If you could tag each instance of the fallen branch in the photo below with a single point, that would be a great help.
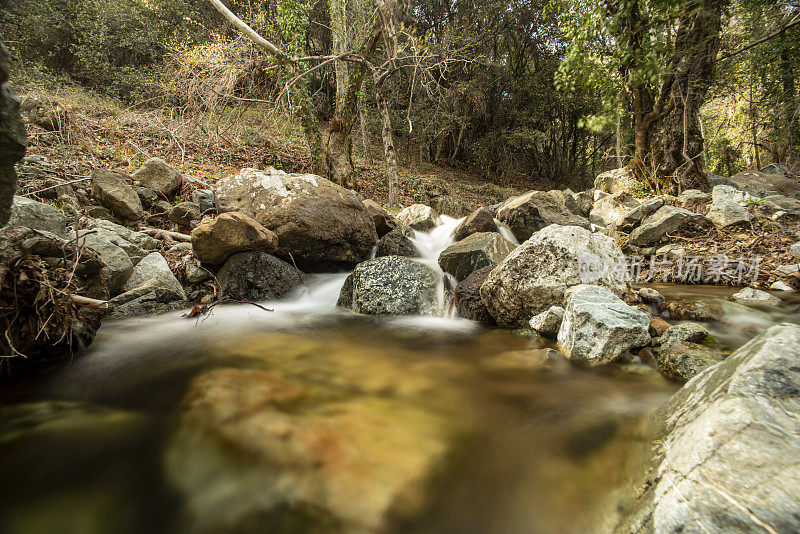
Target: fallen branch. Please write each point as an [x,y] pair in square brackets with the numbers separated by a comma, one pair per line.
[57,185]
[157,232]
[86,301]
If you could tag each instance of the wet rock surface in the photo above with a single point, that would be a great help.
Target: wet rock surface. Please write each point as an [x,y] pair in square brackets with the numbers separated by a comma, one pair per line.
[474,252]
[392,285]
[467,297]
[398,243]
[727,446]
[419,217]
[257,276]
[480,220]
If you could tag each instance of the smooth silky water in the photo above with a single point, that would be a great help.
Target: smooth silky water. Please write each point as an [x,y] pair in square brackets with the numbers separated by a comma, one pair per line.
[398,424]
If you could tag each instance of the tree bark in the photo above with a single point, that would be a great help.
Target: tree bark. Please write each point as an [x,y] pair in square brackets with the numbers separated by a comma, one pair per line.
[389,152]
[678,162]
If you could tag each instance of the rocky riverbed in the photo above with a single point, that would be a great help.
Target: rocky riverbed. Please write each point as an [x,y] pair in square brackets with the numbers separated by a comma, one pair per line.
[292,356]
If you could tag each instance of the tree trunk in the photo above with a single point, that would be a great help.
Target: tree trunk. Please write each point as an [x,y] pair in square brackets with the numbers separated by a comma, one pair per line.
[678,161]
[389,152]
[364,140]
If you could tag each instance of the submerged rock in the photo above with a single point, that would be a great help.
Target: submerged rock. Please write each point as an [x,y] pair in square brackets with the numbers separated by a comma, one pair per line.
[419,217]
[538,272]
[155,174]
[598,327]
[216,240]
[727,447]
[257,276]
[527,214]
[350,449]
[467,297]
[391,285]
[318,223]
[479,250]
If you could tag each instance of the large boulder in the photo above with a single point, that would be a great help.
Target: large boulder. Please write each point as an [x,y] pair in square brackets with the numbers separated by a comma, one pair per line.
[635,216]
[154,267]
[419,217]
[467,297]
[666,220]
[599,328]
[727,206]
[112,190]
[475,252]
[216,240]
[257,276]
[319,224]
[538,272]
[529,213]
[760,181]
[155,174]
[37,215]
[480,220]
[150,298]
[726,448]
[610,210]
[392,285]
[398,243]
[614,181]
[13,140]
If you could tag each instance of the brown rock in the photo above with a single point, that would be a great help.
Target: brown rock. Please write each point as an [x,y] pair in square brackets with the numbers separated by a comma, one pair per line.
[658,326]
[384,223]
[215,240]
[480,220]
[467,297]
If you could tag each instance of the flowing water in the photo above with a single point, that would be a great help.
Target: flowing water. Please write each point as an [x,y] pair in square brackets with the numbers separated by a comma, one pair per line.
[310,419]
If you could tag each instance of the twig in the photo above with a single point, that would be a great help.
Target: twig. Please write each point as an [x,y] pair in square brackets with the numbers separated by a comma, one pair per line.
[157,232]
[86,301]
[57,185]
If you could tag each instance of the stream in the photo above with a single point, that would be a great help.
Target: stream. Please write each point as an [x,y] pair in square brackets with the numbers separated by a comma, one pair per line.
[313,419]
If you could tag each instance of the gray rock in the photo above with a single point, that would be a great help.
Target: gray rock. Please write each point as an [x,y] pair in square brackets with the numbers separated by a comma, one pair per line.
[781,286]
[467,297]
[419,217]
[451,206]
[651,296]
[154,267]
[185,214]
[392,285]
[548,322]
[538,272]
[139,239]
[38,216]
[474,252]
[146,195]
[111,189]
[13,140]
[203,198]
[116,259]
[158,176]
[727,447]
[216,240]
[714,180]
[153,289]
[727,206]
[257,276]
[693,198]
[527,214]
[193,271]
[639,213]
[684,332]
[614,181]
[788,269]
[666,220]
[398,243]
[480,220]
[775,168]
[598,327]
[682,360]
[755,297]
[610,210]
[319,224]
